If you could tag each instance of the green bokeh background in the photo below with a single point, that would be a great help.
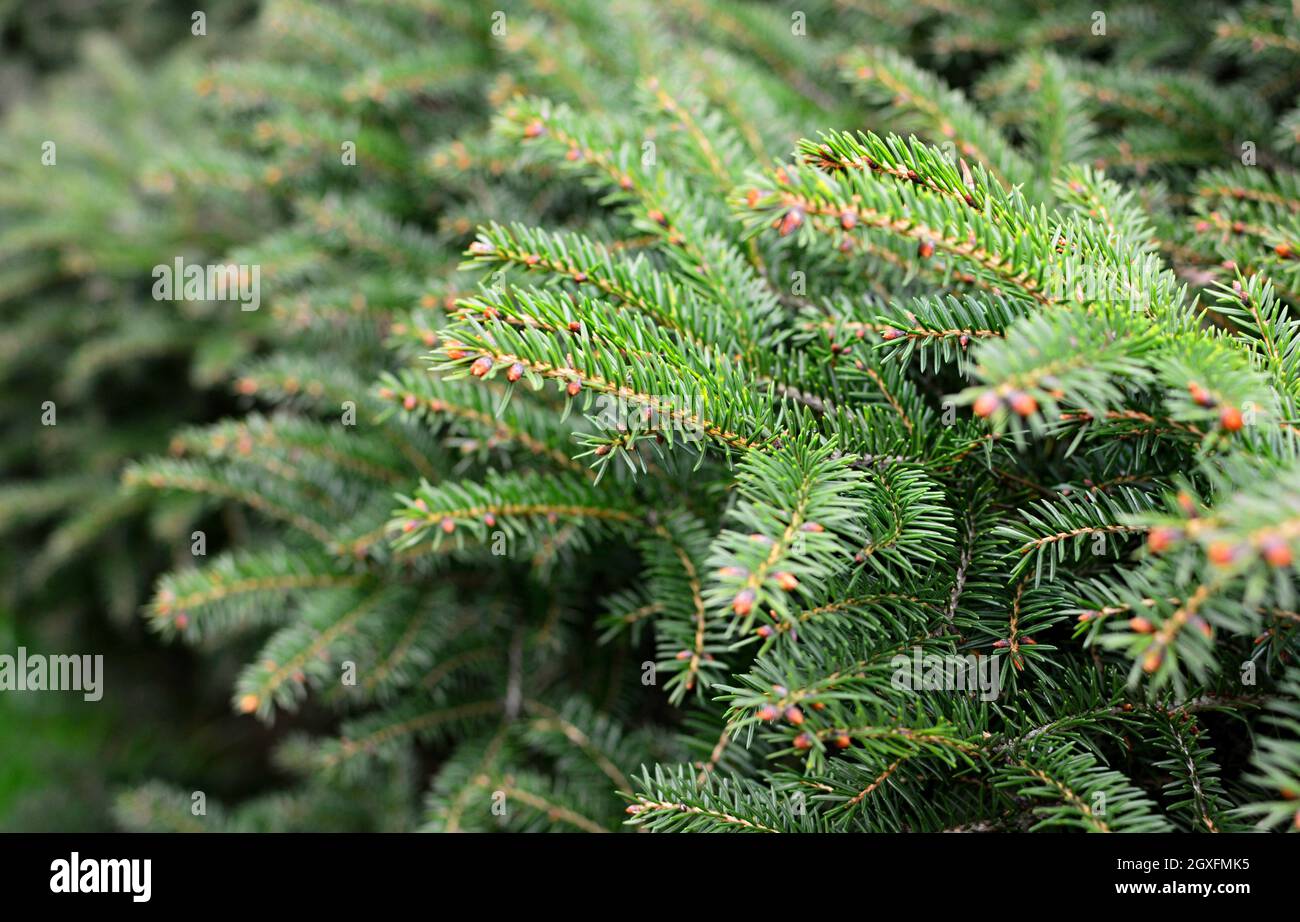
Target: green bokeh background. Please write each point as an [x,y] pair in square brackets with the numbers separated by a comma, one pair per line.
[62,759]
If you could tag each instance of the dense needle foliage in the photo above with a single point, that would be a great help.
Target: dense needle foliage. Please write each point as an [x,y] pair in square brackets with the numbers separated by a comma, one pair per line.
[637,384]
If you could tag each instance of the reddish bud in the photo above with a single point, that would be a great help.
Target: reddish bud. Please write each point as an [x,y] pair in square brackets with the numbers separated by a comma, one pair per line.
[987,404]
[786,581]
[1023,404]
[1230,419]
[482,365]
[1221,553]
[515,372]
[1276,551]
[448,525]
[1141,625]
[1162,538]
[794,715]
[743,603]
[790,221]
[1200,395]
[926,249]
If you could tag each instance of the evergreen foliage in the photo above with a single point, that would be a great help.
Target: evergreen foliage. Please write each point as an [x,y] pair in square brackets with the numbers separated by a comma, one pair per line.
[662,376]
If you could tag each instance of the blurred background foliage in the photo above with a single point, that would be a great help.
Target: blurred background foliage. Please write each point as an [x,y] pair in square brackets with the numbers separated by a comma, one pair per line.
[109,81]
